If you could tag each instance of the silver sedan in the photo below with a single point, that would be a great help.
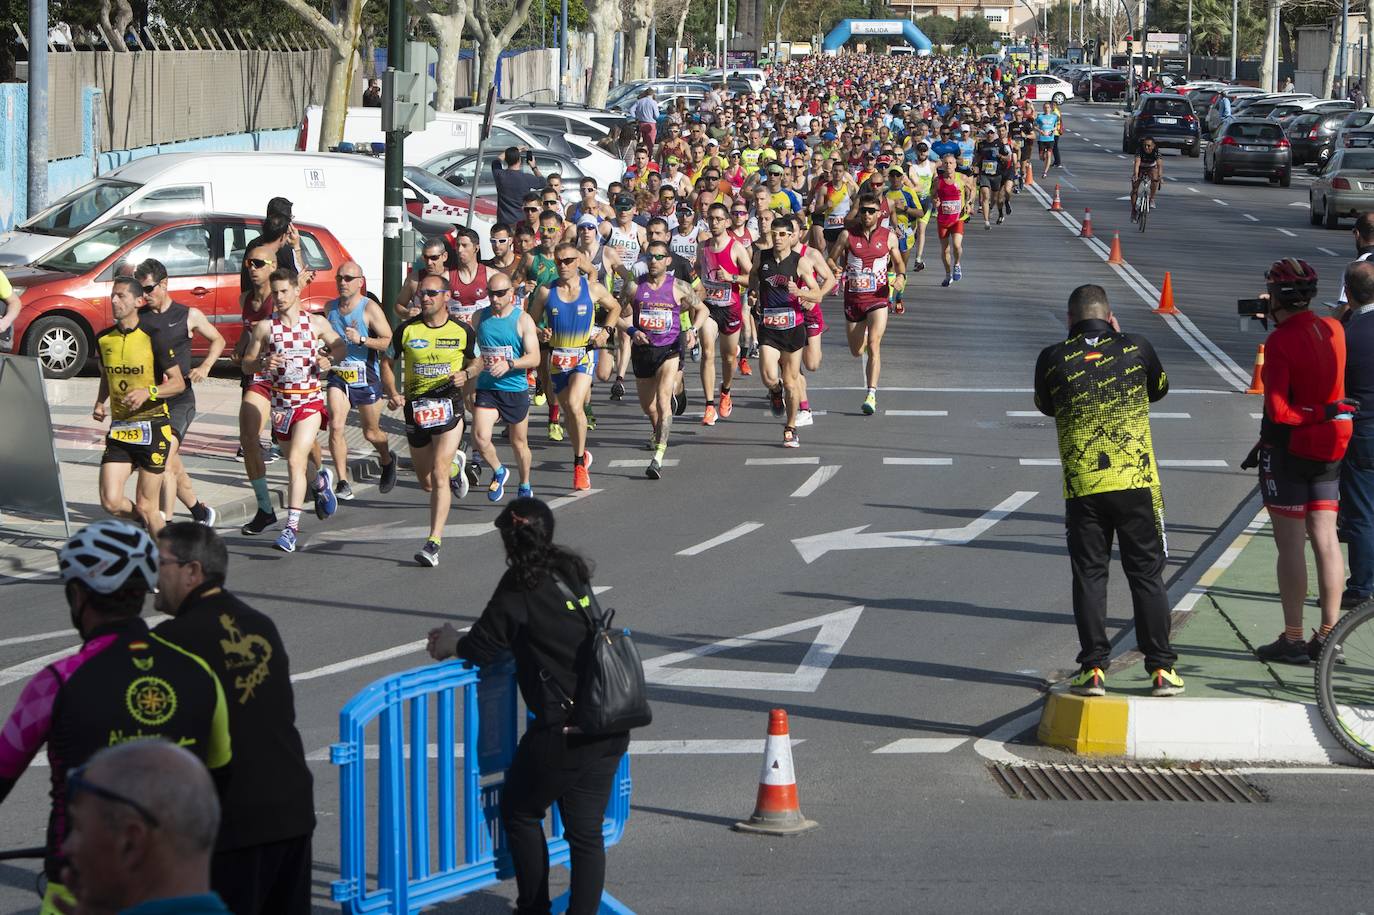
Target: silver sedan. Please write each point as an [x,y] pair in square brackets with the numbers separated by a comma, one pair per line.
[1344,186]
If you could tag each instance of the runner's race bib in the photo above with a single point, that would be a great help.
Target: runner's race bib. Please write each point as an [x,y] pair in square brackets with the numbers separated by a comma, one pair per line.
[833,222]
[297,368]
[353,374]
[780,318]
[861,279]
[491,356]
[464,313]
[565,359]
[951,207]
[281,421]
[990,167]
[717,294]
[431,413]
[656,320]
[132,433]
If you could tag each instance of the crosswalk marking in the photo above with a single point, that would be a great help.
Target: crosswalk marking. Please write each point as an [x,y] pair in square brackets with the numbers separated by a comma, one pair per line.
[922,745]
[917,462]
[780,461]
[915,412]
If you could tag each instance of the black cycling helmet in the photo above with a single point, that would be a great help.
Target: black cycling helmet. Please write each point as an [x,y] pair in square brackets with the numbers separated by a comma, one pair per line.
[1292,282]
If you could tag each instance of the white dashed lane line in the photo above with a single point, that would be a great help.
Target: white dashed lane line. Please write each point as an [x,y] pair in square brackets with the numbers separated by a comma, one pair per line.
[917,462]
[1285,232]
[1328,252]
[1249,217]
[1194,190]
[1220,203]
[732,534]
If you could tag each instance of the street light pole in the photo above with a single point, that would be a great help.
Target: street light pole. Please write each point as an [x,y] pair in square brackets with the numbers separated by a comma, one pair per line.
[1342,64]
[38,105]
[1188,55]
[1235,25]
[777,35]
[563,54]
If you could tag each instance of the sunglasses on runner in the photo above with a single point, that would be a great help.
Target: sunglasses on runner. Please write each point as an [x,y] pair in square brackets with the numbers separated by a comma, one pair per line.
[345,278]
[868,210]
[77,783]
[258,263]
[431,293]
[434,257]
[658,257]
[567,261]
[497,293]
[148,290]
[531,209]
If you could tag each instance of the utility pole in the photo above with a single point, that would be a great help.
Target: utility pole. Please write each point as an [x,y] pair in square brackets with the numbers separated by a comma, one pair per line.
[563,53]
[38,105]
[1235,25]
[394,201]
[1341,62]
[1188,66]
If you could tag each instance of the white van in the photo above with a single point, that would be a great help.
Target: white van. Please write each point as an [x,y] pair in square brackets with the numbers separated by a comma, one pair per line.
[451,131]
[340,192]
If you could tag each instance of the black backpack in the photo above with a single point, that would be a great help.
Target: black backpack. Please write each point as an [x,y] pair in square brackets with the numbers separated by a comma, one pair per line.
[611,695]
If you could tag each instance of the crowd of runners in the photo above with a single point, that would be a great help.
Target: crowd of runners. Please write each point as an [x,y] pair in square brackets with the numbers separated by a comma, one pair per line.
[720,246]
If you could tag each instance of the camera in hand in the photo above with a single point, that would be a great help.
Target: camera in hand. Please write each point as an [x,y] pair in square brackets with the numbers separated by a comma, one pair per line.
[1252,310]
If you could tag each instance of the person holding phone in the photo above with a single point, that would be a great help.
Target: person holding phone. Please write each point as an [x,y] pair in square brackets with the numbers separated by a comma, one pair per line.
[513,182]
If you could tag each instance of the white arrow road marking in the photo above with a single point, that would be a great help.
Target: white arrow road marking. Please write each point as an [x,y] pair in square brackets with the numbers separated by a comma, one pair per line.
[1194,190]
[733,533]
[1122,197]
[834,630]
[815,481]
[375,532]
[812,548]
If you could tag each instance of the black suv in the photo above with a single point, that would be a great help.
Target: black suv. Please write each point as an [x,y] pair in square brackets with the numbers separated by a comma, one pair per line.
[1167,119]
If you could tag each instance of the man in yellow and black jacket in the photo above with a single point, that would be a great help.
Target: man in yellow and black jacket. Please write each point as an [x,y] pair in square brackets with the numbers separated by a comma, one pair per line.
[1098,385]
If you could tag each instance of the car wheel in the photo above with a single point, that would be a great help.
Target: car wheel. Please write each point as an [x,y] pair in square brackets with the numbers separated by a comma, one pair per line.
[1194,151]
[1206,172]
[1216,174]
[1058,98]
[1329,217]
[1100,97]
[1312,215]
[1286,179]
[1323,156]
[59,344]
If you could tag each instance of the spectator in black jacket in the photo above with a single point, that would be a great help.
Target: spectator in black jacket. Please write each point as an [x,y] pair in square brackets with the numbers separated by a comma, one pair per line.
[512,183]
[262,862]
[528,617]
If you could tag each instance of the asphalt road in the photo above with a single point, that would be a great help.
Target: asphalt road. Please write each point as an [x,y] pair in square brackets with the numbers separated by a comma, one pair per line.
[935,646]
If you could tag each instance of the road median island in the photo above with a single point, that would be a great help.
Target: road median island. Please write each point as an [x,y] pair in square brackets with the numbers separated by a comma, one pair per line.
[1236,707]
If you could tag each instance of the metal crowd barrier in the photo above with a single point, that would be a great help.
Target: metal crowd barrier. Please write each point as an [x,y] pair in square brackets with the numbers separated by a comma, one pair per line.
[417,859]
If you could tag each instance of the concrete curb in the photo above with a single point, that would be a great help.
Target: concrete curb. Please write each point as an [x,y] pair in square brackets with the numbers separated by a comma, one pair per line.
[1148,728]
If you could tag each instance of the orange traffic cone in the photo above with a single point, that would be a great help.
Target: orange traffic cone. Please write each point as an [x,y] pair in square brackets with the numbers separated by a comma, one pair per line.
[776,812]
[1030,177]
[1087,230]
[1257,379]
[1166,297]
[1114,257]
[1055,205]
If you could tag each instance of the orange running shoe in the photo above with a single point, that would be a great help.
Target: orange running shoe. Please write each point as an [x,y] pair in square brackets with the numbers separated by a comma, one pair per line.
[709,417]
[581,479]
[727,405]
[744,368]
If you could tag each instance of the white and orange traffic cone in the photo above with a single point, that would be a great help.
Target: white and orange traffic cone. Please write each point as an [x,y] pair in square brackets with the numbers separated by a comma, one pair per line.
[1114,256]
[1166,297]
[1087,230]
[1257,379]
[1055,205]
[776,812]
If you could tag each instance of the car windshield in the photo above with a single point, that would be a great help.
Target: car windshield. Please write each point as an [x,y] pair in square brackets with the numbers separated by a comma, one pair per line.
[80,208]
[427,181]
[1304,121]
[92,247]
[1361,161]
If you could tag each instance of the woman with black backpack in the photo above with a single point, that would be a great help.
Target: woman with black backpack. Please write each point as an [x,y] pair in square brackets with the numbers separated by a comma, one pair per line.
[557,760]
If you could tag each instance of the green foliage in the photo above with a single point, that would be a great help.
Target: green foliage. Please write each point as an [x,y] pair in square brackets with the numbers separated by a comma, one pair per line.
[938,29]
[1212,24]
[261,16]
[974,33]
[542,24]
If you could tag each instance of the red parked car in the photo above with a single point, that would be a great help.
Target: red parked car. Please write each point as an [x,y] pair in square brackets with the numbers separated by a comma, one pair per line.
[66,294]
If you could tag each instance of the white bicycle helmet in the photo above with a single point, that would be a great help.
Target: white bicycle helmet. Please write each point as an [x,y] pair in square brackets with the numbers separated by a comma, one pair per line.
[106,554]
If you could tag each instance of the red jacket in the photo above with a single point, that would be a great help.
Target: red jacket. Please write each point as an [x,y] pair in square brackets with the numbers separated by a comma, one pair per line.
[1304,370]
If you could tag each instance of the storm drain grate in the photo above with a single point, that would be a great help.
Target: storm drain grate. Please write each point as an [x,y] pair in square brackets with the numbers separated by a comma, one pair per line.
[1063,782]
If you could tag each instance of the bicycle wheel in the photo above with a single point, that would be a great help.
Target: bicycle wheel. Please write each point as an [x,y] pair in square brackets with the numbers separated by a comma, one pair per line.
[1142,205]
[1345,691]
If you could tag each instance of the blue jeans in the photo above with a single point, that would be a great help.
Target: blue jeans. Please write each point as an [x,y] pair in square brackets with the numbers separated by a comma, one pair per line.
[1357,509]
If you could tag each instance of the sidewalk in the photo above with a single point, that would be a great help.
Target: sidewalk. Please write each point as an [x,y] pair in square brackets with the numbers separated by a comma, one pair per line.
[28,549]
[1236,708]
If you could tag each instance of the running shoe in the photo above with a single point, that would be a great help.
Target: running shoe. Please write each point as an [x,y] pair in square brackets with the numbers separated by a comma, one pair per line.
[870,404]
[388,481]
[286,541]
[582,478]
[655,469]
[1008,207]
[987,227]
[526,491]
[474,469]
[709,417]
[539,398]
[775,401]
[727,406]
[1352,599]
[271,455]
[1001,219]
[946,281]
[804,418]
[744,368]
[1165,683]
[1284,650]
[920,265]
[1089,682]
[680,403]
[261,522]
[428,555]
[458,482]
[1317,643]
[497,490]
[238,455]
[789,438]
[958,273]
[326,503]
[753,349]
[591,418]
[343,491]
[204,514]
[555,432]
[618,389]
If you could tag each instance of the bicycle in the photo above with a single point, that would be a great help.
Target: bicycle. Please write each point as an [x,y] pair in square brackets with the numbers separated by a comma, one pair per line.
[1140,207]
[1345,682]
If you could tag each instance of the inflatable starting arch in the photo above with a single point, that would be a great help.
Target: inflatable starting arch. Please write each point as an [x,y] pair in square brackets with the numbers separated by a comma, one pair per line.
[849,28]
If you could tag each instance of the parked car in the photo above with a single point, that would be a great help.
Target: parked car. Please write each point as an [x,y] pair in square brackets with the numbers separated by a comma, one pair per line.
[1212,118]
[431,198]
[758,82]
[1249,147]
[1313,135]
[1168,119]
[67,292]
[1263,106]
[581,120]
[1042,87]
[1355,122]
[1344,186]
[632,89]
[329,189]
[458,168]
[1103,86]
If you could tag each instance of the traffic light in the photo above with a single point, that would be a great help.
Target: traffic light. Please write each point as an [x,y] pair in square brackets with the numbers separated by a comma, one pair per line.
[407,94]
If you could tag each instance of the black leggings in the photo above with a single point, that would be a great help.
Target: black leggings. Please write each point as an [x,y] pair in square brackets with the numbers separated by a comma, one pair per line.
[578,773]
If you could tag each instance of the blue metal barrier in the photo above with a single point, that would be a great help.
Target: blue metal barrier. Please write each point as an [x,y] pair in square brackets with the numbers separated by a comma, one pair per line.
[407,876]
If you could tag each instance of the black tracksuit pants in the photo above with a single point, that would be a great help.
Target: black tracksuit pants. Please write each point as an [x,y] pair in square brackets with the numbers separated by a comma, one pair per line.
[1092,522]
[578,772]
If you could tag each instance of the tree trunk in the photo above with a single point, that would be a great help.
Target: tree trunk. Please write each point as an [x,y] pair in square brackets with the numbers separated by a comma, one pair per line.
[448,26]
[1286,43]
[637,38]
[343,40]
[678,50]
[1367,70]
[1269,70]
[604,16]
[1329,74]
[494,41]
